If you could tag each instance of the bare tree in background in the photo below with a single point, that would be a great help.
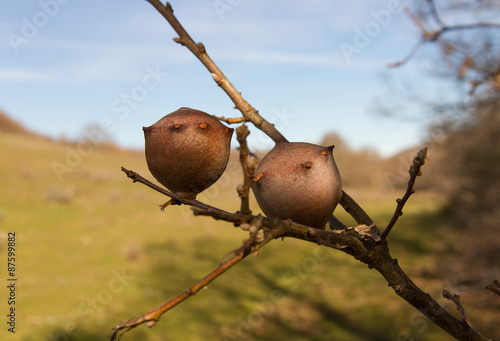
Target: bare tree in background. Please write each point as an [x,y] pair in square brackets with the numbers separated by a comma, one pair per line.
[462,41]
[465,38]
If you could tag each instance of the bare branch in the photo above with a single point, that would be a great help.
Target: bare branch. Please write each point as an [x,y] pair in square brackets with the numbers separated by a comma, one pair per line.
[362,242]
[199,51]
[414,171]
[470,26]
[410,54]
[434,13]
[209,210]
[336,224]
[456,299]
[248,169]
[245,108]
[432,36]
[281,228]
[404,287]
[495,287]
[154,316]
[231,120]
[352,207]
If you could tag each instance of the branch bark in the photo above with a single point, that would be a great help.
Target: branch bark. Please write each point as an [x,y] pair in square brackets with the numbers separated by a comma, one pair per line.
[404,287]
[487,75]
[250,113]
[244,189]
[151,318]
[180,200]
[362,242]
[456,299]
[374,253]
[494,287]
[414,171]
[427,36]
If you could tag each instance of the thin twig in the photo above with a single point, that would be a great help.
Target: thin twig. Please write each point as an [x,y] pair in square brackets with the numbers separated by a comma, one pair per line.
[434,13]
[244,189]
[470,26]
[231,120]
[351,241]
[352,207]
[250,113]
[192,202]
[280,228]
[410,54]
[427,36]
[414,171]
[404,287]
[495,287]
[254,228]
[456,299]
[154,316]
[364,249]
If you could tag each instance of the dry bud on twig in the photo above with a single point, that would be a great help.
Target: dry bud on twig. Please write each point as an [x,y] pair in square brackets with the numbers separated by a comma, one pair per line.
[414,171]
[362,242]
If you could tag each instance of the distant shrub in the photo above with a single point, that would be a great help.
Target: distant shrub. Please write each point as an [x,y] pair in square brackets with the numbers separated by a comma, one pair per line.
[57,195]
[469,159]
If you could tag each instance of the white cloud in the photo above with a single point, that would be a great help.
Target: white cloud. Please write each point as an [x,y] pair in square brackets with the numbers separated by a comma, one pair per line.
[25,75]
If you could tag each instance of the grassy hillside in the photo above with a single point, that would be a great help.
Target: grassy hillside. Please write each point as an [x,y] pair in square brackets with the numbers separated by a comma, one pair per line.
[93,248]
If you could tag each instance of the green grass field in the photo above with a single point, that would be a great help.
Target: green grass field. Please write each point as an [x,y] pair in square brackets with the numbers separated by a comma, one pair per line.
[94,249]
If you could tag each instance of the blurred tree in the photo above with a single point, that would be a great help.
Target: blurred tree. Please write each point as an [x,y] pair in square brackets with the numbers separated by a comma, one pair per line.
[462,38]
[465,38]
[472,158]
[462,41]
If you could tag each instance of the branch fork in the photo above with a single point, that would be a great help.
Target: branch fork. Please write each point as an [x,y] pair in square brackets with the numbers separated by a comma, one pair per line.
[488,77]
[363,242]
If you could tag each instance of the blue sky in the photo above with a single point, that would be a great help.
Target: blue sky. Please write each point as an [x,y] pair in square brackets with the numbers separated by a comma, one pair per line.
[66,64]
